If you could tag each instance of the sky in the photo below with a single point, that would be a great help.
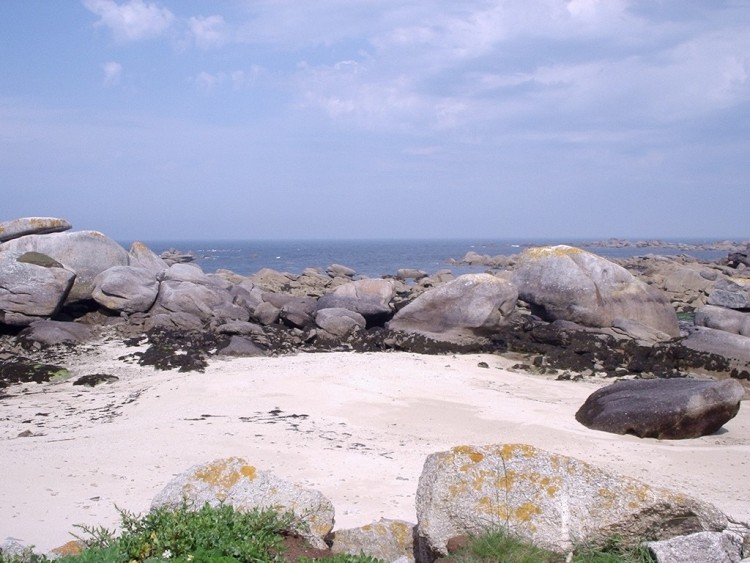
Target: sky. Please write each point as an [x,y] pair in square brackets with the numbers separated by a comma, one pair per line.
[361,119]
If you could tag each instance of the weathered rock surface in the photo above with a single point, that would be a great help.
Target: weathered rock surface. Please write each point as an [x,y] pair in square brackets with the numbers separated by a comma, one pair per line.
[385,539]
[141,256]
[470,305]
[553,500]
[32,286]
[87,253]
[339,322]
[563,282]
[232,481]
[241,346]
[701,547]
[371,298]
[31,226]
[729,294]
[126,289]
[662,408]
[721,318]
[51,333]
[733,348]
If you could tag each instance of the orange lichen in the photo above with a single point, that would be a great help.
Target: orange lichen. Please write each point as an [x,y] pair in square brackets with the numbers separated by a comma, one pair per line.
[559,250]
[222,473]
[526,511]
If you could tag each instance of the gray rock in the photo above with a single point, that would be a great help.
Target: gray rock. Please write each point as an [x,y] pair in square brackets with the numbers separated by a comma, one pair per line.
[470,305]
[339,322]
[51,333]
[87,253]
[271,280]
[141,256]
[203,299]
[701,547]
[734,348]
[32,285]
[552,500]
[662,408]
[410,274]
[234,482]
[727,293]
[337,270]
[176,320]
[385,539]
[266,314]
[242,328]
[371,298]
[240,346]
[563,282]
[721,318]
[31,226]
[296,311]
[126,289]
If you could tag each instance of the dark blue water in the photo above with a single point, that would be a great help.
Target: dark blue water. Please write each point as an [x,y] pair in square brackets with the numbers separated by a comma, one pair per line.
[372,258]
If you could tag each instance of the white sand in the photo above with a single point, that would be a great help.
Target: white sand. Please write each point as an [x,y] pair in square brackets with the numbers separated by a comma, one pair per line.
[370,421]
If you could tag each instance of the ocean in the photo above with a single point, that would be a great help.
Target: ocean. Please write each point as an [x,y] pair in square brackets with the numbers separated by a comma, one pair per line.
[372,258]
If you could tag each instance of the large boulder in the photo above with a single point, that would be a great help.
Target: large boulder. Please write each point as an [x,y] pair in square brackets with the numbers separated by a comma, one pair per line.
[553,500]
[662,408]
[126,289]
[141,256]
[566,283]
[234,482]
[32,286]
[339,322]
[730,294]
[721,318]
[87,253]
[733,349]
[470,305]
[371,298]
[53,333]
[31,226]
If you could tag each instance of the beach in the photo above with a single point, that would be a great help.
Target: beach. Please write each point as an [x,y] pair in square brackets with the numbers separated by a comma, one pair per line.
[355,426]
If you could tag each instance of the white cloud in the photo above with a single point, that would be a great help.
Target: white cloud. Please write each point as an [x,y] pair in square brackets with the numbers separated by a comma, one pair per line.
[132,20]
[112,73]
[208,31]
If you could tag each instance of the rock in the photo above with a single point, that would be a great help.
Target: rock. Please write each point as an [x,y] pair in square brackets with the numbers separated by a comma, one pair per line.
[337,270]
[141,256]
[23,370]
[385,539]
[95,379]
[563,282]
[242,328]
[410,274]
[701,547]
[87,253]
[232,481]
[51,333]
[371,298]
[662,408]
[552,500]
[295,311]
[470,305]
[271,280]
[339,322]
[733,348]
[240,346]
[727,293]
[31,226]
[266,314]
[126,289]
[173,321]
[174,256]
[720,318]
[32,286]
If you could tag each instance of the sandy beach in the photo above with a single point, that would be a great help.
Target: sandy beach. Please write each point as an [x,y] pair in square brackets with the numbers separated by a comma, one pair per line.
[357,427]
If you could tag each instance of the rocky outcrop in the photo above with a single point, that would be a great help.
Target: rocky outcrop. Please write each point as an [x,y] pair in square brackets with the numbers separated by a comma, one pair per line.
[662,408]
[126,289]
[371,298]
[566,283]
[234,482]
[729,294]
[471,305]
[721,318]
[32,286]
[141,256]
[31,226]
[52,333]
[87,253]
[553,500]
[734,349]
[339,322]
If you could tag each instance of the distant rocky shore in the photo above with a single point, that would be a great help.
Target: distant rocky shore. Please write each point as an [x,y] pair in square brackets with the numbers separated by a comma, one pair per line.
[673,327]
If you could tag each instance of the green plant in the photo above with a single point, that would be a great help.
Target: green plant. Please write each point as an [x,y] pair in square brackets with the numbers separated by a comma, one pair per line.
[343,558]
[504,547]
[612,552]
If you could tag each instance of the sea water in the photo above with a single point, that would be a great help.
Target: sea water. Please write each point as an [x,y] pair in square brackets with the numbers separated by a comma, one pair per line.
[372,258]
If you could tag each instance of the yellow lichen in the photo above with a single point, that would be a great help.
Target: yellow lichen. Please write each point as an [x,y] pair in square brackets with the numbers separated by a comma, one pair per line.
[222,473]
[559,250]
[526,511]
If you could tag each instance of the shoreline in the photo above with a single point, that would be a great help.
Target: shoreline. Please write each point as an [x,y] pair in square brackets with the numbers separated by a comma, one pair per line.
[356,426]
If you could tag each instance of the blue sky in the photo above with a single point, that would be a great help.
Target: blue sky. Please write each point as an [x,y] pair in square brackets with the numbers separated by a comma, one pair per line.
[184,119]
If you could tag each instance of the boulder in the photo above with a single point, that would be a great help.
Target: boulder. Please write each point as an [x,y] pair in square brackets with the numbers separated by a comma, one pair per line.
[337,270]
[734,349]
[51,333]
[388,540]
[240,346]
[232,481]
[729,294]
[126,289]
[32,286]
[721,318]
[703,547]
[141,256]
[339,322]
[371,298]
[31,226]
[295,311]
[470,305]
[87,253]
[271,280]
[662,408]
[563,282]
[552,500]
[410,274]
